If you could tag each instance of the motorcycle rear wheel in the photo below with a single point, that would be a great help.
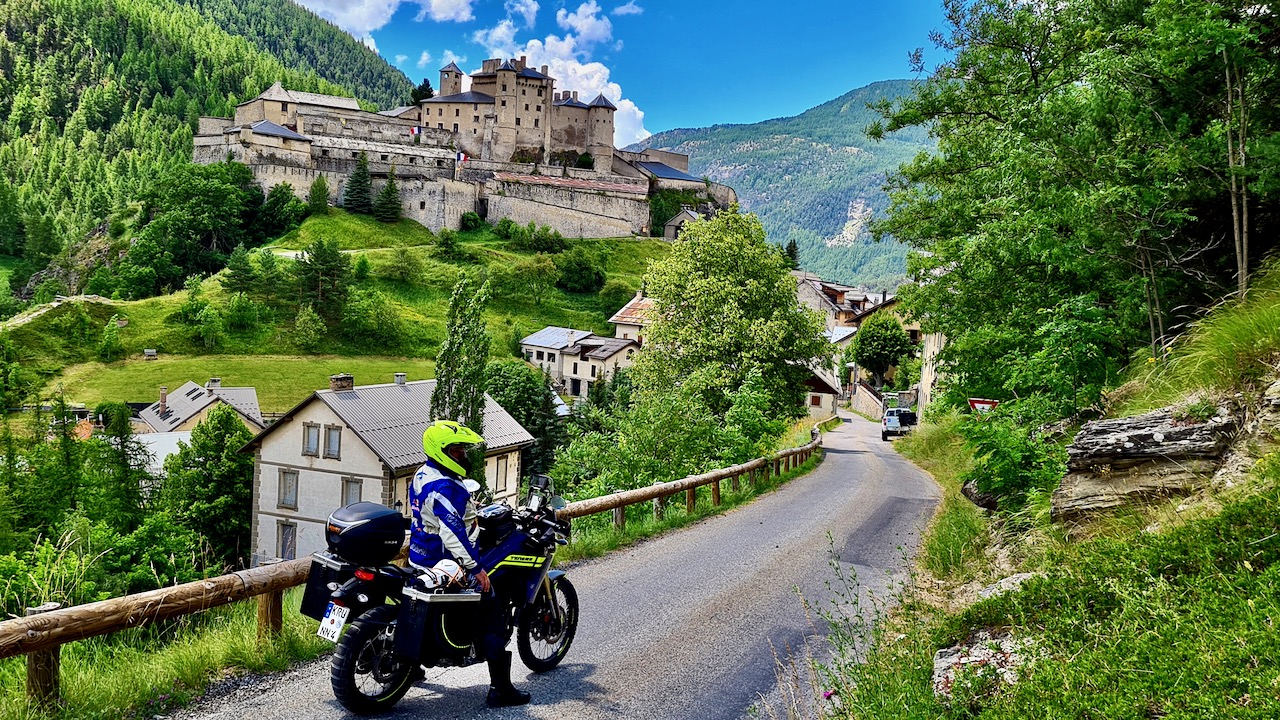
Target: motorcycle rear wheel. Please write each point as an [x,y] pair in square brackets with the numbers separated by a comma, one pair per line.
[367,675]
[542,640]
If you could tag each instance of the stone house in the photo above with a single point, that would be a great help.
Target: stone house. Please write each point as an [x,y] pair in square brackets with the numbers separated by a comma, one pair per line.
[187,406]
[822,394]
[630,322]
[350,443]
[545,348]
[671,230]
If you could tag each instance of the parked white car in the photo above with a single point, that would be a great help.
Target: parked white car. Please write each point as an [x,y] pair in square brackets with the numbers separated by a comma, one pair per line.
[896,421]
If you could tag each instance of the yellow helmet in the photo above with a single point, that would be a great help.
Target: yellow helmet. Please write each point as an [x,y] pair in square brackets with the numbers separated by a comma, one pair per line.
[447,442]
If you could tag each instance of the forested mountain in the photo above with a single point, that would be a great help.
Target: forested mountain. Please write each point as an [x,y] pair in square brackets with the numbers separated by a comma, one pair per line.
[815,178]
[302,40]
[99,100]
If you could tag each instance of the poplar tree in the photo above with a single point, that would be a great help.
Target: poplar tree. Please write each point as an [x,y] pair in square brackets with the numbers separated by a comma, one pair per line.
[463,356]
[358,197]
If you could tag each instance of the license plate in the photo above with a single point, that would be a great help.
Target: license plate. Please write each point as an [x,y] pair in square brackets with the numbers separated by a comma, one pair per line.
[335,617]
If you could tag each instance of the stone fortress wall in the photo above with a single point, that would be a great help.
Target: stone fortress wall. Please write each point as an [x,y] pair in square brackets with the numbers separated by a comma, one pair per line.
[295,137]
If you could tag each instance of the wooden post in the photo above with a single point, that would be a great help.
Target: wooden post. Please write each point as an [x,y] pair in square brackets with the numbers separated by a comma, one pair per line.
[690,500]
[736,483]
[715,493]
[620,518]
[659,507]
[270,611]
[43,666]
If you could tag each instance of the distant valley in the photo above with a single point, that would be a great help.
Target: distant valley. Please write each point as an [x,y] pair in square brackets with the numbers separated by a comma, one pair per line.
[815,177]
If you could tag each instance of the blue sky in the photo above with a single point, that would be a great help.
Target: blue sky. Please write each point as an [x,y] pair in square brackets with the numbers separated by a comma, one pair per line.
[666,64]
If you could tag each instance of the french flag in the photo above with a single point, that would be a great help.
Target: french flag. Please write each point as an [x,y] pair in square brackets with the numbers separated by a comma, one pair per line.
[415,130]
[462,157]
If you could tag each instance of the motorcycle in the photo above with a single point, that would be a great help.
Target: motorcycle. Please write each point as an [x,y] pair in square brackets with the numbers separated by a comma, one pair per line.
[398,621]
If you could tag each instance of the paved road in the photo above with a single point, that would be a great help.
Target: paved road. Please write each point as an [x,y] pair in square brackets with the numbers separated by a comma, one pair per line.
[689,625]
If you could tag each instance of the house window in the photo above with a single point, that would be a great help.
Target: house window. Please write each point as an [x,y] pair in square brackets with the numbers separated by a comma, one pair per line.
[355,154]
[504,89]
[551,357]
[815,400]
[412,160]
[333,441]
[287,542]
[324,153]
[593,371]
[575,368]
[517,122]
[475,119]
[288,497]
[439,126]
[422,205]
[440,112]
[539,92]
[535,122]
[625,336]
[526,107]
[538,108]
[284,107]
[384,157]
[528,354]
[522,92]
[311,439]
[539,354]
[504,103]
[502,482]
[351,488]
[455,127]
[457,112]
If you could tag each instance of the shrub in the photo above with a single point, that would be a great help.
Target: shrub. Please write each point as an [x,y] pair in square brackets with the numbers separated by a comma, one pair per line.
[504,228]
[111,348]
[209,328]
[580,271]
[471,221]
[308,329]
[614,295]
[1010,457]
[371,317]
[585,162]
[448,248]
[242,313]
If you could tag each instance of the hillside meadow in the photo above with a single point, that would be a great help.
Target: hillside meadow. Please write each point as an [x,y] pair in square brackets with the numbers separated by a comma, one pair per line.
[60,346]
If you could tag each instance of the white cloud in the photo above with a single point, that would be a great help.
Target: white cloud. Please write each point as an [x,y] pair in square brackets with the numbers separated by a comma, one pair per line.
[631,8]
[452,57]
[442,10]
[424,59]
[369,42]
[499,39]
[401,58]
[586,22]
[527,9]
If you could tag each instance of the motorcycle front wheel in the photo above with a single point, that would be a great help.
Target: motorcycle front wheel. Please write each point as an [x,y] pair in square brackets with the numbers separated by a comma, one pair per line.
[544,635]
[367,675]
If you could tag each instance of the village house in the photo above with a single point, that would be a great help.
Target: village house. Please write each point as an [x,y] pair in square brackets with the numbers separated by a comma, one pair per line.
[630,322]
[545,348]
[576,359]
[822,394]
[350,443]
[188,406]
[671,230]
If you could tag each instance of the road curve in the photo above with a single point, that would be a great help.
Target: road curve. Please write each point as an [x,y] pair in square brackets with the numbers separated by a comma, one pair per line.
[688,625]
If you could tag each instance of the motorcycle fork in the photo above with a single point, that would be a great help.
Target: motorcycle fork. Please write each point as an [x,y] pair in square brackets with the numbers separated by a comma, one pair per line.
[551,598]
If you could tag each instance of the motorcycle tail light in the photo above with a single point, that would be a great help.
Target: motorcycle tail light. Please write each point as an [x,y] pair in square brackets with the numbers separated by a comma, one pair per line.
[365,575]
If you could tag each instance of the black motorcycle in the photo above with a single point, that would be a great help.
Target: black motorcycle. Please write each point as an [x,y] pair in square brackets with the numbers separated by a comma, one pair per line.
[398,620]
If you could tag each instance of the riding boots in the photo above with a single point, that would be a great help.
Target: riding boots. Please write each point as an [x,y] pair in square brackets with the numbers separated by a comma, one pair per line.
[501,692]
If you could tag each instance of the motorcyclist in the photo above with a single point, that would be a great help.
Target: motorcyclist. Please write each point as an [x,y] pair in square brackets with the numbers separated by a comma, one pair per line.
[443,515]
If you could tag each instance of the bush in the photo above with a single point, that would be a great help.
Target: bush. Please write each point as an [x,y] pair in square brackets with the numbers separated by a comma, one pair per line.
[580,271]
[209,328]
[504,228]
[309,329]
[448,248]
[471,221]
[614,295]
[371,317]
[242,313]
[537,239]
[111,348]
[1011,459]
[585,162]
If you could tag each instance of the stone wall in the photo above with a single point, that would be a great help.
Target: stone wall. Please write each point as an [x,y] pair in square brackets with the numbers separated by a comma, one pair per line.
[588,212]
[867,401]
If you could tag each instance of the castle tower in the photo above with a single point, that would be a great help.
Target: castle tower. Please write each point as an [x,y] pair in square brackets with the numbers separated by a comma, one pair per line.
[504,104]
[450,80]
[600,132]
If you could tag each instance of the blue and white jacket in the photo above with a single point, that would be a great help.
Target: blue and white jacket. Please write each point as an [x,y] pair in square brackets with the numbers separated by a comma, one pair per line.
[443,513]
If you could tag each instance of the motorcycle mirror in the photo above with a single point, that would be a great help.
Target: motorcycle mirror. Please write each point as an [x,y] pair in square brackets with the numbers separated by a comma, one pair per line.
[557,503]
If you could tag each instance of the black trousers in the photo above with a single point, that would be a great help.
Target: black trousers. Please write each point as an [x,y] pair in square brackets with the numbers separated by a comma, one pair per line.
[493,613]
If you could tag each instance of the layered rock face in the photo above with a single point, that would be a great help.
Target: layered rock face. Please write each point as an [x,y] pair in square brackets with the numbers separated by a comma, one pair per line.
[1115,462]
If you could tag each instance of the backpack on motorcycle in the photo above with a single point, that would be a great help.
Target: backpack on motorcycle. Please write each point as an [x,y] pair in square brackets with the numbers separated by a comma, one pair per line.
[496,524]
[365,533]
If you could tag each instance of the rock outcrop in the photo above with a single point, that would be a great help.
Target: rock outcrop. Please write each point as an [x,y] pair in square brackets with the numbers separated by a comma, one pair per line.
[978,668]
[1116,462]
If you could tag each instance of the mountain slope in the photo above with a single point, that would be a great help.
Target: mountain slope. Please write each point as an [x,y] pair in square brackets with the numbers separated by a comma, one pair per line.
[301,40]
[815,178]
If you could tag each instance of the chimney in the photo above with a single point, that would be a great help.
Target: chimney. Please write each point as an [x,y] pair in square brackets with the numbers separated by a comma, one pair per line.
[400,378]
[164,398]
[213,384]
[523,59]
[341,382]
[543,70]
[575,94]
[884,296]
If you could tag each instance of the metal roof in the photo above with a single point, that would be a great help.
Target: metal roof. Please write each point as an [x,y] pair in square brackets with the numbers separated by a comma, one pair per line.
[531,73]
[600,348]
[277,92]
[390,418]
[603,102]
[396,112]
[557,338]
[636,312]
[188,400]
[506,65]
[666,172]
[467,97]
[839,334]
[571,102]
[266,127]
[161,445]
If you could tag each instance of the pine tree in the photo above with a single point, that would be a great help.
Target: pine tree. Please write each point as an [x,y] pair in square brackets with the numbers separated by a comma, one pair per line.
[318,197]
[321,273]
[460,364]
[793,254]
[422,92]
[270,275]
[386,208]
[358,197]
[240,277]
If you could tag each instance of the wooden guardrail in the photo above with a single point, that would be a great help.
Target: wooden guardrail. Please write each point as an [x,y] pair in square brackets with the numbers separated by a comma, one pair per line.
[44,630]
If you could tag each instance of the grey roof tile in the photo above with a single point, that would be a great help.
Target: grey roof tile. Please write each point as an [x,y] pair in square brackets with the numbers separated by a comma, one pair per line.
[556,337]
[188,400]
[603,102]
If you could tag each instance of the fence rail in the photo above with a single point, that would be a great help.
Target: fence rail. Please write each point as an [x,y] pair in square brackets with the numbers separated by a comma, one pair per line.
[42,632]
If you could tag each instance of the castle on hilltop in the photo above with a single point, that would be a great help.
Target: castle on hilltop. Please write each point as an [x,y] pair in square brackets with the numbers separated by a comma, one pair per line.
[510,146]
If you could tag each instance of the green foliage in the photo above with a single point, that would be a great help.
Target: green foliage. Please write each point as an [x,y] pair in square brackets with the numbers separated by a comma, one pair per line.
[463,356]
[448,248]
[309,329]
[406,265]
[281,212]
[792,251]
[360,271]
[209,328]
[111,348]
[321,276]
[666,204]
[535,239]
[526,394]
[505,227]
[48,291]
[240,276]
[318,197]
[358,195]
[879,344]
[243,314]
[270,275]
[1011,457]
[580,271]
[585,162]
[423,91]
[471,221]
[726,306]
[386,207]
[371,317]
[189,312]
[530,277]
[209,485]
[615,294]
[750,430]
